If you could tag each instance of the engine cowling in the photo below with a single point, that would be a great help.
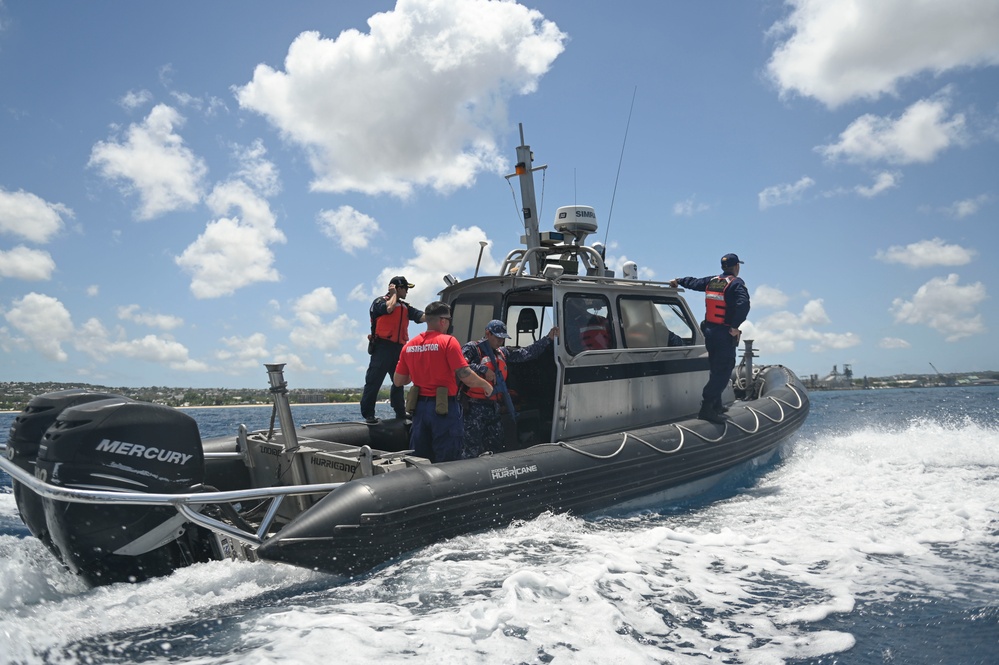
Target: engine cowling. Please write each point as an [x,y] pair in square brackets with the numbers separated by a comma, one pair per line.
[122,445]
[23,439]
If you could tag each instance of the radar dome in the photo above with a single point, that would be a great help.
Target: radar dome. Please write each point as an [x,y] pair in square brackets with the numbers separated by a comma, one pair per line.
[577,221]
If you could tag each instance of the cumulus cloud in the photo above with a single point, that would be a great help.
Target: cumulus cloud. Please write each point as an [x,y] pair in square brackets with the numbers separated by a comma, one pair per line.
[784,194]
[926,254]
[313,330]
[921,133]
[893,343]
[967,207]
[453,251]
[152,161]
[45,323]
[882,183]
[839,50]
[30,217]
[689,207]
[779,332]
[161,321]
[768,296]
[133,99]
[454,64]
[249,352]
[27,264]
[96,341]
[946,306]
[352,230]
[233,252]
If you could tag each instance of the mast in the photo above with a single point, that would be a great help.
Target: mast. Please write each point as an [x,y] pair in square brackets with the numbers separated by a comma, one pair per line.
[525,171]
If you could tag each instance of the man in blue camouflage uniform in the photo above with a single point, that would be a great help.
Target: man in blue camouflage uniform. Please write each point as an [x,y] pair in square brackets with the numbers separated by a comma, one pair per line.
[488,358]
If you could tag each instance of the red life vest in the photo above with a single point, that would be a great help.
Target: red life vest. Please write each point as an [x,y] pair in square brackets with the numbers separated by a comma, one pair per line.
[714,298]
[595,334]
[394,326]
[478,393]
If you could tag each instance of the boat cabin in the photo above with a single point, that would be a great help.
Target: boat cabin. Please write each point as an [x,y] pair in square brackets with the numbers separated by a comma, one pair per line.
[630,352]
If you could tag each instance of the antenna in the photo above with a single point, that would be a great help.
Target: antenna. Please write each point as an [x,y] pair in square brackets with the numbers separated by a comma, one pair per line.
[618,176]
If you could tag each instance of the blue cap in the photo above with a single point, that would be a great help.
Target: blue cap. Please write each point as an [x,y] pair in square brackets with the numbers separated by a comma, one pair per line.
[729,260]
[497,328]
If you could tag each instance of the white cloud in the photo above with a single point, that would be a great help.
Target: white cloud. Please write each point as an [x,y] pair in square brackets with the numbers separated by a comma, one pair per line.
[454,251]
[96,341]
[768,296]
[784,194]
[153,162]
[778,332]
[30,217]
[26,264]
[893,343]
[922,132]
[967,207]
[241,353]
[161,321]
[454,64]
[44,321]
[311,330]
[133,99]
[233,252]
[93,290]
[945,306]
[351,229]
[689,207]
[882,183]
[255,170]
[839,50]
[926,254]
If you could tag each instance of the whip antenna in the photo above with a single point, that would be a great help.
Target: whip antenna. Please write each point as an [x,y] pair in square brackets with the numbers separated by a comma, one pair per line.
[619,162]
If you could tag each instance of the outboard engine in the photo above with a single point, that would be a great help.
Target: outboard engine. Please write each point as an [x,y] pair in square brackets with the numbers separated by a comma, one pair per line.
[22,448]
[122,445]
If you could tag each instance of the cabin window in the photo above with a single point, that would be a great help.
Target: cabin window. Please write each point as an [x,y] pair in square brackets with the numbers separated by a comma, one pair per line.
[654,322]
[469,319]
[587,323]
[528,323]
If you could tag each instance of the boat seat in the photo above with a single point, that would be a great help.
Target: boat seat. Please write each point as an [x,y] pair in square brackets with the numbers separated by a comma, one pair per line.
[527,323]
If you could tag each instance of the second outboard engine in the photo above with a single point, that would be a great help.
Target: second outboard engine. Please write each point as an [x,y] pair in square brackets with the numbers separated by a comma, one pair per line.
[22,448]
[122,445]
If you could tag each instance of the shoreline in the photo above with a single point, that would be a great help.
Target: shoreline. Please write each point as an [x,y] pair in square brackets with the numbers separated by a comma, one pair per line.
[248,406]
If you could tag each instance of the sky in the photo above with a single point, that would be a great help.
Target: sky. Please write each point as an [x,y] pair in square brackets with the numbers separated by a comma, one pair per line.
[189,190]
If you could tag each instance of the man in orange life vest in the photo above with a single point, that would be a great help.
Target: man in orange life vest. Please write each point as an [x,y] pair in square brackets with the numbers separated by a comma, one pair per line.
[483,425]
[390,317]
[727,302]
[433,361]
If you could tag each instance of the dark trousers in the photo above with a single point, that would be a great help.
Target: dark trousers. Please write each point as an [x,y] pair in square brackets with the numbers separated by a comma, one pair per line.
[483,427]
[383,362]
[721,360]
[435,437]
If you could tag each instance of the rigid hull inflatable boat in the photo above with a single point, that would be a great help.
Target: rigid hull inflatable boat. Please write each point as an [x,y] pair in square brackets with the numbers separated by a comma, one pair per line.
[121,490]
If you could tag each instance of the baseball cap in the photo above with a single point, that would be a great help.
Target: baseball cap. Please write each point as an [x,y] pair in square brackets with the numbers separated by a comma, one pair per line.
[730,260]
[497,328]
[399,280]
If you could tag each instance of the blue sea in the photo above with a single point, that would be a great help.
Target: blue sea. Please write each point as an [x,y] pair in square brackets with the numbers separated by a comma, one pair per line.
[872,538]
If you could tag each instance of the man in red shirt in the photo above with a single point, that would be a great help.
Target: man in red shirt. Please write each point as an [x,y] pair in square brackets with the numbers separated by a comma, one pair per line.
[434,362]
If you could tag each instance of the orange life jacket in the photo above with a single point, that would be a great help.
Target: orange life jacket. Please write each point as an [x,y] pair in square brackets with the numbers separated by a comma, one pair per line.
[394,326]
[714,298]
[478,393]
[595,334]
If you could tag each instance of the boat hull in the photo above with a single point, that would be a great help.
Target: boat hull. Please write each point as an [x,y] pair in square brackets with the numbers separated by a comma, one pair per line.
[369,521]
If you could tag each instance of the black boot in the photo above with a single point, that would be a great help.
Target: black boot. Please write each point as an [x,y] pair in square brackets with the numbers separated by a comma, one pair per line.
[720,408]
[708,413]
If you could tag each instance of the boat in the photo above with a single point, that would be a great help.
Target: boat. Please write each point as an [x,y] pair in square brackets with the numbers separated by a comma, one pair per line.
[120,490]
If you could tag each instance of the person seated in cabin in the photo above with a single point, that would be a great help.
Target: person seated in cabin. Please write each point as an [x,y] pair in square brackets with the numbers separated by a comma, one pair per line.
[591,330]
[489,358]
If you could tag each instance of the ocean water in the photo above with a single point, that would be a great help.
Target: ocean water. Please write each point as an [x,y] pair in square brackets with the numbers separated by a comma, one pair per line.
[872,538]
